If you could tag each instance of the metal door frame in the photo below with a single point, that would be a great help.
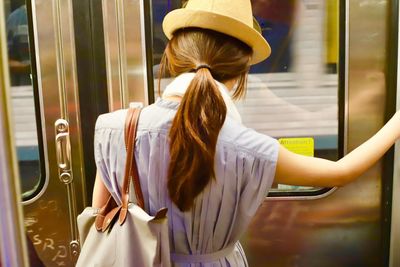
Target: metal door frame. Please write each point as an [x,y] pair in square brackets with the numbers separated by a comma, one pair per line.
[12,235]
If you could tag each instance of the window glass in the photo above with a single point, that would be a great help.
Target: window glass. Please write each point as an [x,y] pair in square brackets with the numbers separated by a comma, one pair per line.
[23,97]
[293,95]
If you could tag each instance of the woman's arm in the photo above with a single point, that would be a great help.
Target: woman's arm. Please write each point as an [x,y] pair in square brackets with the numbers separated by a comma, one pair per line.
[100,193]
[301,170]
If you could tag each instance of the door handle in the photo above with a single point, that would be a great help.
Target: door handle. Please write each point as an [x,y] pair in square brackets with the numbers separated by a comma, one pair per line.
[63,145]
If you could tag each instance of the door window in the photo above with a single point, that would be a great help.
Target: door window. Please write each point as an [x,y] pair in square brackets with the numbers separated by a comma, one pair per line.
[24,98]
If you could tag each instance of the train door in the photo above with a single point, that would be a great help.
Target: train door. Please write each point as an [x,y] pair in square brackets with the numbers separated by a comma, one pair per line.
[45,111]
[57,54]
[326,88]
[347,90]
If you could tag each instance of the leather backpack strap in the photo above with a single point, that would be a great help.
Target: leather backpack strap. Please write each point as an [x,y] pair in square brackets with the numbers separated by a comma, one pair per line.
[131,170]
[134,174]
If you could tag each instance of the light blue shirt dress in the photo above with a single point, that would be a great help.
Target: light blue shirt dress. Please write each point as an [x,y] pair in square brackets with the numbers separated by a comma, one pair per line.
[245,164]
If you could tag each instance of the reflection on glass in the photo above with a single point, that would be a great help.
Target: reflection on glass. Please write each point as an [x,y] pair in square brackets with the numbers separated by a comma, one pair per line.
[22,95]
[300,76]
[294,93]
[276,19]
[18,47]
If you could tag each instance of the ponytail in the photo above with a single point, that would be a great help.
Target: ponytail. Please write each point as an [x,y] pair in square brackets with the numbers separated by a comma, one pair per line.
[193,139]
[202,111]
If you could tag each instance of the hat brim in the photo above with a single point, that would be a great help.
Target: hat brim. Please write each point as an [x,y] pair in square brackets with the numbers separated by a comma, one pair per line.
[186,18]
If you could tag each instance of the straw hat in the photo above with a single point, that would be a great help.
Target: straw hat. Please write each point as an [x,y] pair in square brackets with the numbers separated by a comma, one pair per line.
[231,17]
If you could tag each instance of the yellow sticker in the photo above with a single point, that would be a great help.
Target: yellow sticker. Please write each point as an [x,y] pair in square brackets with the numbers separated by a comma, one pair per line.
[302,145]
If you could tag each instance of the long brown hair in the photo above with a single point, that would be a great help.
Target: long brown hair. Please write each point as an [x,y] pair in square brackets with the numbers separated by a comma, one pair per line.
[202,111]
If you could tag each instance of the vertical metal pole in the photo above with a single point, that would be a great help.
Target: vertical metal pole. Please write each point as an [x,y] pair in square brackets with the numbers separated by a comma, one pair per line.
[12,236]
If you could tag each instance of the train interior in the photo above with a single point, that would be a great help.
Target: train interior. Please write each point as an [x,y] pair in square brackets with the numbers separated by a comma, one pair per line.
[331,82]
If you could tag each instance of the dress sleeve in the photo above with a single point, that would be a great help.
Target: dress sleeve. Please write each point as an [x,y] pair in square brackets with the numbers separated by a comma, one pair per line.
[256,166]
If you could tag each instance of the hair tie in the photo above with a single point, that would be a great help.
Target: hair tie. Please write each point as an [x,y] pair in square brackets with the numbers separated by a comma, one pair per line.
[202,66]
